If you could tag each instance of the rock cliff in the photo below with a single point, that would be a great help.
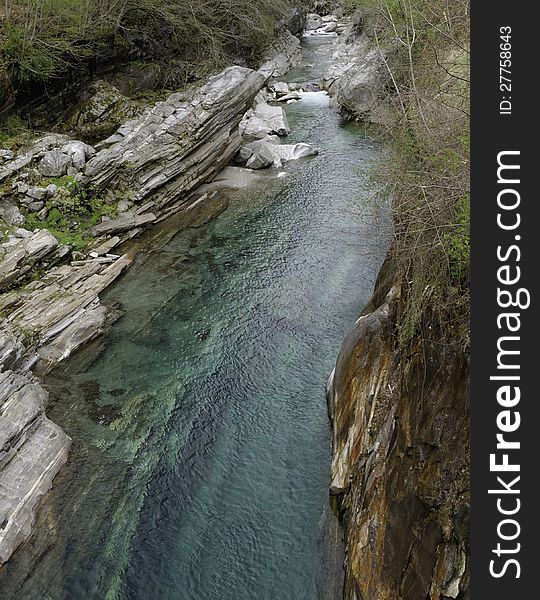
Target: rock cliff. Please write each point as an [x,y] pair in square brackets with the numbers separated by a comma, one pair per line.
[400,472]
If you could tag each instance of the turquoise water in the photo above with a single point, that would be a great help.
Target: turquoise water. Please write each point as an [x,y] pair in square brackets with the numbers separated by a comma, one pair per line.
[201,446]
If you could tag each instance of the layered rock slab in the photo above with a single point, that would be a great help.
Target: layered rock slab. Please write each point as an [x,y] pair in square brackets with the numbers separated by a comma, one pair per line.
[32,451]
[178,144]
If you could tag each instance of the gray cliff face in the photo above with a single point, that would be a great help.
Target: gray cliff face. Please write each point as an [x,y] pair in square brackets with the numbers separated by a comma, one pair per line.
[400,472]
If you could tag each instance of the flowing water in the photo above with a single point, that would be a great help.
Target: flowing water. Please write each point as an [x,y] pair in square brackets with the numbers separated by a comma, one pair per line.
[201,445]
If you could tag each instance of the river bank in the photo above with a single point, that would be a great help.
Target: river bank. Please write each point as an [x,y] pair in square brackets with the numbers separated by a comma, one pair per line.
[123,433]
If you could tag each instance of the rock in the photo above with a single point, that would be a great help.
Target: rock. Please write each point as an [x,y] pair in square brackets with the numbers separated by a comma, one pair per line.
[54,164]
[43,214]
[124,222]
[37,193]
[38,149]
[329,19]
[288,97]
[281,57]
[400,469]
[6,155]
[10,214]
[262,158]
[20,186]
[279,88]
[103,111]
[106,246]
[313,22]
[295,21]
[161,157]
[18,261]
[32,451]
[331,27]
[51,190]
[268,151]
[35,206]
[359,78]
[243,155]
[78,152]
[22,233]
[264,120]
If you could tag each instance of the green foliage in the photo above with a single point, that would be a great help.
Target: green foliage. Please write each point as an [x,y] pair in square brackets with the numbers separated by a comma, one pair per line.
[458,241]
[40,39]
[427,175]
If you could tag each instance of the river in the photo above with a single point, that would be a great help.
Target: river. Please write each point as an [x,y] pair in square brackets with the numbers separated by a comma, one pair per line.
[201,446]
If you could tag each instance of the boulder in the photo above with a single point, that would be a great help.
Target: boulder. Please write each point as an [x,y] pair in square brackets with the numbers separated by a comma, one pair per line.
[261,158]
[161,157]
[268,151]
[37,150]
[281,57]
[264,120]
[279,88]
[19,260]
[331,27]
[313,22]
[78,152]
[10,214]
[124,222]
[54,164]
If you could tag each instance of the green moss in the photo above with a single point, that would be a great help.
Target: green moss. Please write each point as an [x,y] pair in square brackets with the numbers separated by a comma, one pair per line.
[72,213]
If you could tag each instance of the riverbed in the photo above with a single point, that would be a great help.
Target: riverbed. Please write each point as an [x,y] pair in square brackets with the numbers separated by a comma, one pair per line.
[201,446]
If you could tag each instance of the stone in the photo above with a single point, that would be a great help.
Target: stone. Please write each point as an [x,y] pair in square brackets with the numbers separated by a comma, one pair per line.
[280,88]
[266,152]
[10,214]
[281,57]
[124,222]
[293,96]
[6,155]
[35,206]
[313,22]
[19,260]
[106,246]
[78,152]
[37,150]
[54,164]
[359,78]
[264,120]
[261,158]
[37,193]
[331,27]
[159,158]
[32,451]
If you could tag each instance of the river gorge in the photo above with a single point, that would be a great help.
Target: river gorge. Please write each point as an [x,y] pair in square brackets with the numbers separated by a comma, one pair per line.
[201,454]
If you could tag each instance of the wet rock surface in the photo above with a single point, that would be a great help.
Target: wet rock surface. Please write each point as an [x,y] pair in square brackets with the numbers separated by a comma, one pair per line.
[401,461]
